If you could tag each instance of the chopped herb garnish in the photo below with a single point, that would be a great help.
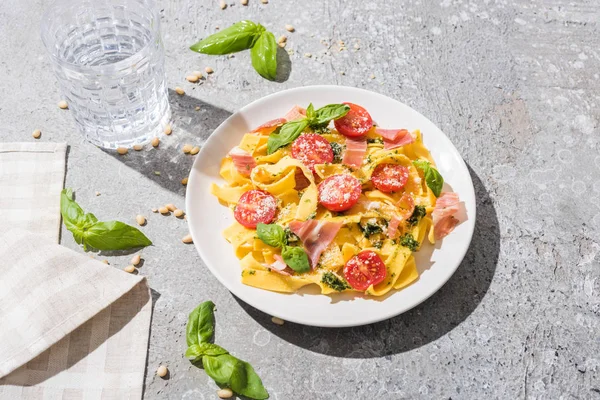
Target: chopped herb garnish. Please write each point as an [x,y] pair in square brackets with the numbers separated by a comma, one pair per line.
[370,229]
[312,215]
[337,152]
[252,272]
[333,281]
[407,240]
[376,140]
[290,236]
[416,216]
[378,244]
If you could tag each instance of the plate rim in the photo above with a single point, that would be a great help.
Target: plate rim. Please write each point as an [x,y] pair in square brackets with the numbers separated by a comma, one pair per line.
[365,321]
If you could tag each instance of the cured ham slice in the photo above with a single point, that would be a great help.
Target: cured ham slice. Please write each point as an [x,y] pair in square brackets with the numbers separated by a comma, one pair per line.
[302,181]
[242,160]
[316,236]
[270,126]
[390,134]
[407,207]
[355,152]
[280,267]
[404,137]
[295,113]
[443,214]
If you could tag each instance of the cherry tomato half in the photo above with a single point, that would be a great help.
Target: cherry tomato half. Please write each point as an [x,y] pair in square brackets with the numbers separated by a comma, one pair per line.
[254,207]
[364,269]
[389,177]
[312,149]
[356,123]
[339,192]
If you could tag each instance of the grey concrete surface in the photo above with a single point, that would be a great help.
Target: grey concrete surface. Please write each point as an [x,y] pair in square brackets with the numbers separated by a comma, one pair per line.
[516,87]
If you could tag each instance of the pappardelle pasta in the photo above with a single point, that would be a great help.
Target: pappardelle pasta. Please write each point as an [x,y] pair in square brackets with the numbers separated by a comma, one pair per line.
[326,197]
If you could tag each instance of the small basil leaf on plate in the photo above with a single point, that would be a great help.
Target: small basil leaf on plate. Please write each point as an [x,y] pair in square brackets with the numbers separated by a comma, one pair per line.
[288,132]
[331,111]
[114,235]
[264,55]
[271,234]
[433,178]
[295,258]
[240,36]
[201,324]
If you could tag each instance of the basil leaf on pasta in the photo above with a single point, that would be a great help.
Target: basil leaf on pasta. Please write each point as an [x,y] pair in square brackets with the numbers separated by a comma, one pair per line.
[288,132]
[433,178]
[331,111]
[271,234]
[295,258]
[310,111]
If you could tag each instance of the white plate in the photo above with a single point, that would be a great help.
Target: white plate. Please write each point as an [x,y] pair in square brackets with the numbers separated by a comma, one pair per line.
[207,218]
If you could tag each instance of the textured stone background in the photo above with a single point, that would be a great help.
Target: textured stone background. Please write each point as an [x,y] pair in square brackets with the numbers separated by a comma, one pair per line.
[514,84]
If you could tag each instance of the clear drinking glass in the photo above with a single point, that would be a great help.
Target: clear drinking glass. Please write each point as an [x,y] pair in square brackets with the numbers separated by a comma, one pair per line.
[108,58]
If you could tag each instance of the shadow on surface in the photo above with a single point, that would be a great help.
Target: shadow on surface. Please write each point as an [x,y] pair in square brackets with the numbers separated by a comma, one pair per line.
[284,65]
[155,296]
[167,165]
[437,316]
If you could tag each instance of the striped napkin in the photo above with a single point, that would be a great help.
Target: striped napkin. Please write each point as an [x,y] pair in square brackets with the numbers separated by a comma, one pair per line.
[72,327]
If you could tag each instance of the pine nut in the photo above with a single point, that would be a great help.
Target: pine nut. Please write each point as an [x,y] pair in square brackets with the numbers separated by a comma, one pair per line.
[36,134]
[155,210]
[179,91]
[225,393]
[184,181]
[138,147]
[307,55]
[198,74]
[244,2]
[105,262]
[223,5]
[264,1]
[197,108]
[97,193]
[136,260]
[163,210]
[162,371]
[178,213]
[195,150]
[122,150]
[141,220]
[63,105]
[282,44]
[129,268]
[282,39]
[168,130]
[171,207]
[289,28]
[155,142]
[187,239]
[186,148]
[192,78]
[209,70]
[277,321]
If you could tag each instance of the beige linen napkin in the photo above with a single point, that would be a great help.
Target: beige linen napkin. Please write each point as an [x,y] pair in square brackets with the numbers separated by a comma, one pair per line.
[71,327]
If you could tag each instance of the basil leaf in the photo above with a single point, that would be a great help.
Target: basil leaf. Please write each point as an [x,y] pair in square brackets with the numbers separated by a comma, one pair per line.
[114,235]
[195,352]
[226,370]
[201,324]
[72,214]
[264,56]
[310,111]
[433,178]
[271,234]
[288,132]
[331,111]
[295,258]
[240,36]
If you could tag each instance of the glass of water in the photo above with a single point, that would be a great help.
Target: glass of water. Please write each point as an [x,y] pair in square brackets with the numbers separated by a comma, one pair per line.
[108,58]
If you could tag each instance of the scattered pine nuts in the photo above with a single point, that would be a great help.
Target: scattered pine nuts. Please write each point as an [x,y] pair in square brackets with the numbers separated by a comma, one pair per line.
[192,78]
[162,371]
[282,39]
[138,147]
[197,108]
[178,213]
[223,5]
[282,44]
[122,150]
[264,1]
[157,173]
[171,207]
[105,261]
[289,28]
[155,141]
[168,130]
[277,321]
[184,181]
[141,220]
[179,91]
[187,148]
[307,55]
[155,210]
[372,76]
[244,2]
[163,210]
[195,150]
[36,134]
[97,193]
[198,74]
[136,260]
[187,239]
[129,268]
[209,70]
[63,105]
[224,393]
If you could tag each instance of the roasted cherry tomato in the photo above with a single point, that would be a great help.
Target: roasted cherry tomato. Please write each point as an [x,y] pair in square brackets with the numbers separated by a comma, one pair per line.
[356,123]
[389,177]
[254,207]
[312,149]
[364,269]
[339,192]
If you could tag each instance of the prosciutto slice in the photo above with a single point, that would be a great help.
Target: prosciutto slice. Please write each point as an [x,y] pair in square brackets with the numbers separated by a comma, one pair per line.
[242,160]
[390,134]
[403,138]
[316,236]
[268,127]
[355,152]
[443,214]
[295,113]
[407,207]
[280,267]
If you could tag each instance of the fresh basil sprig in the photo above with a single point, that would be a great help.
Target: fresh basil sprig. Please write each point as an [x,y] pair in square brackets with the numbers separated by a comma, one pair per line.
[241,36]
[88,231]
[274,235]
[290,131]
[222,367]
[433,178]
[271,234]
[295,258]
